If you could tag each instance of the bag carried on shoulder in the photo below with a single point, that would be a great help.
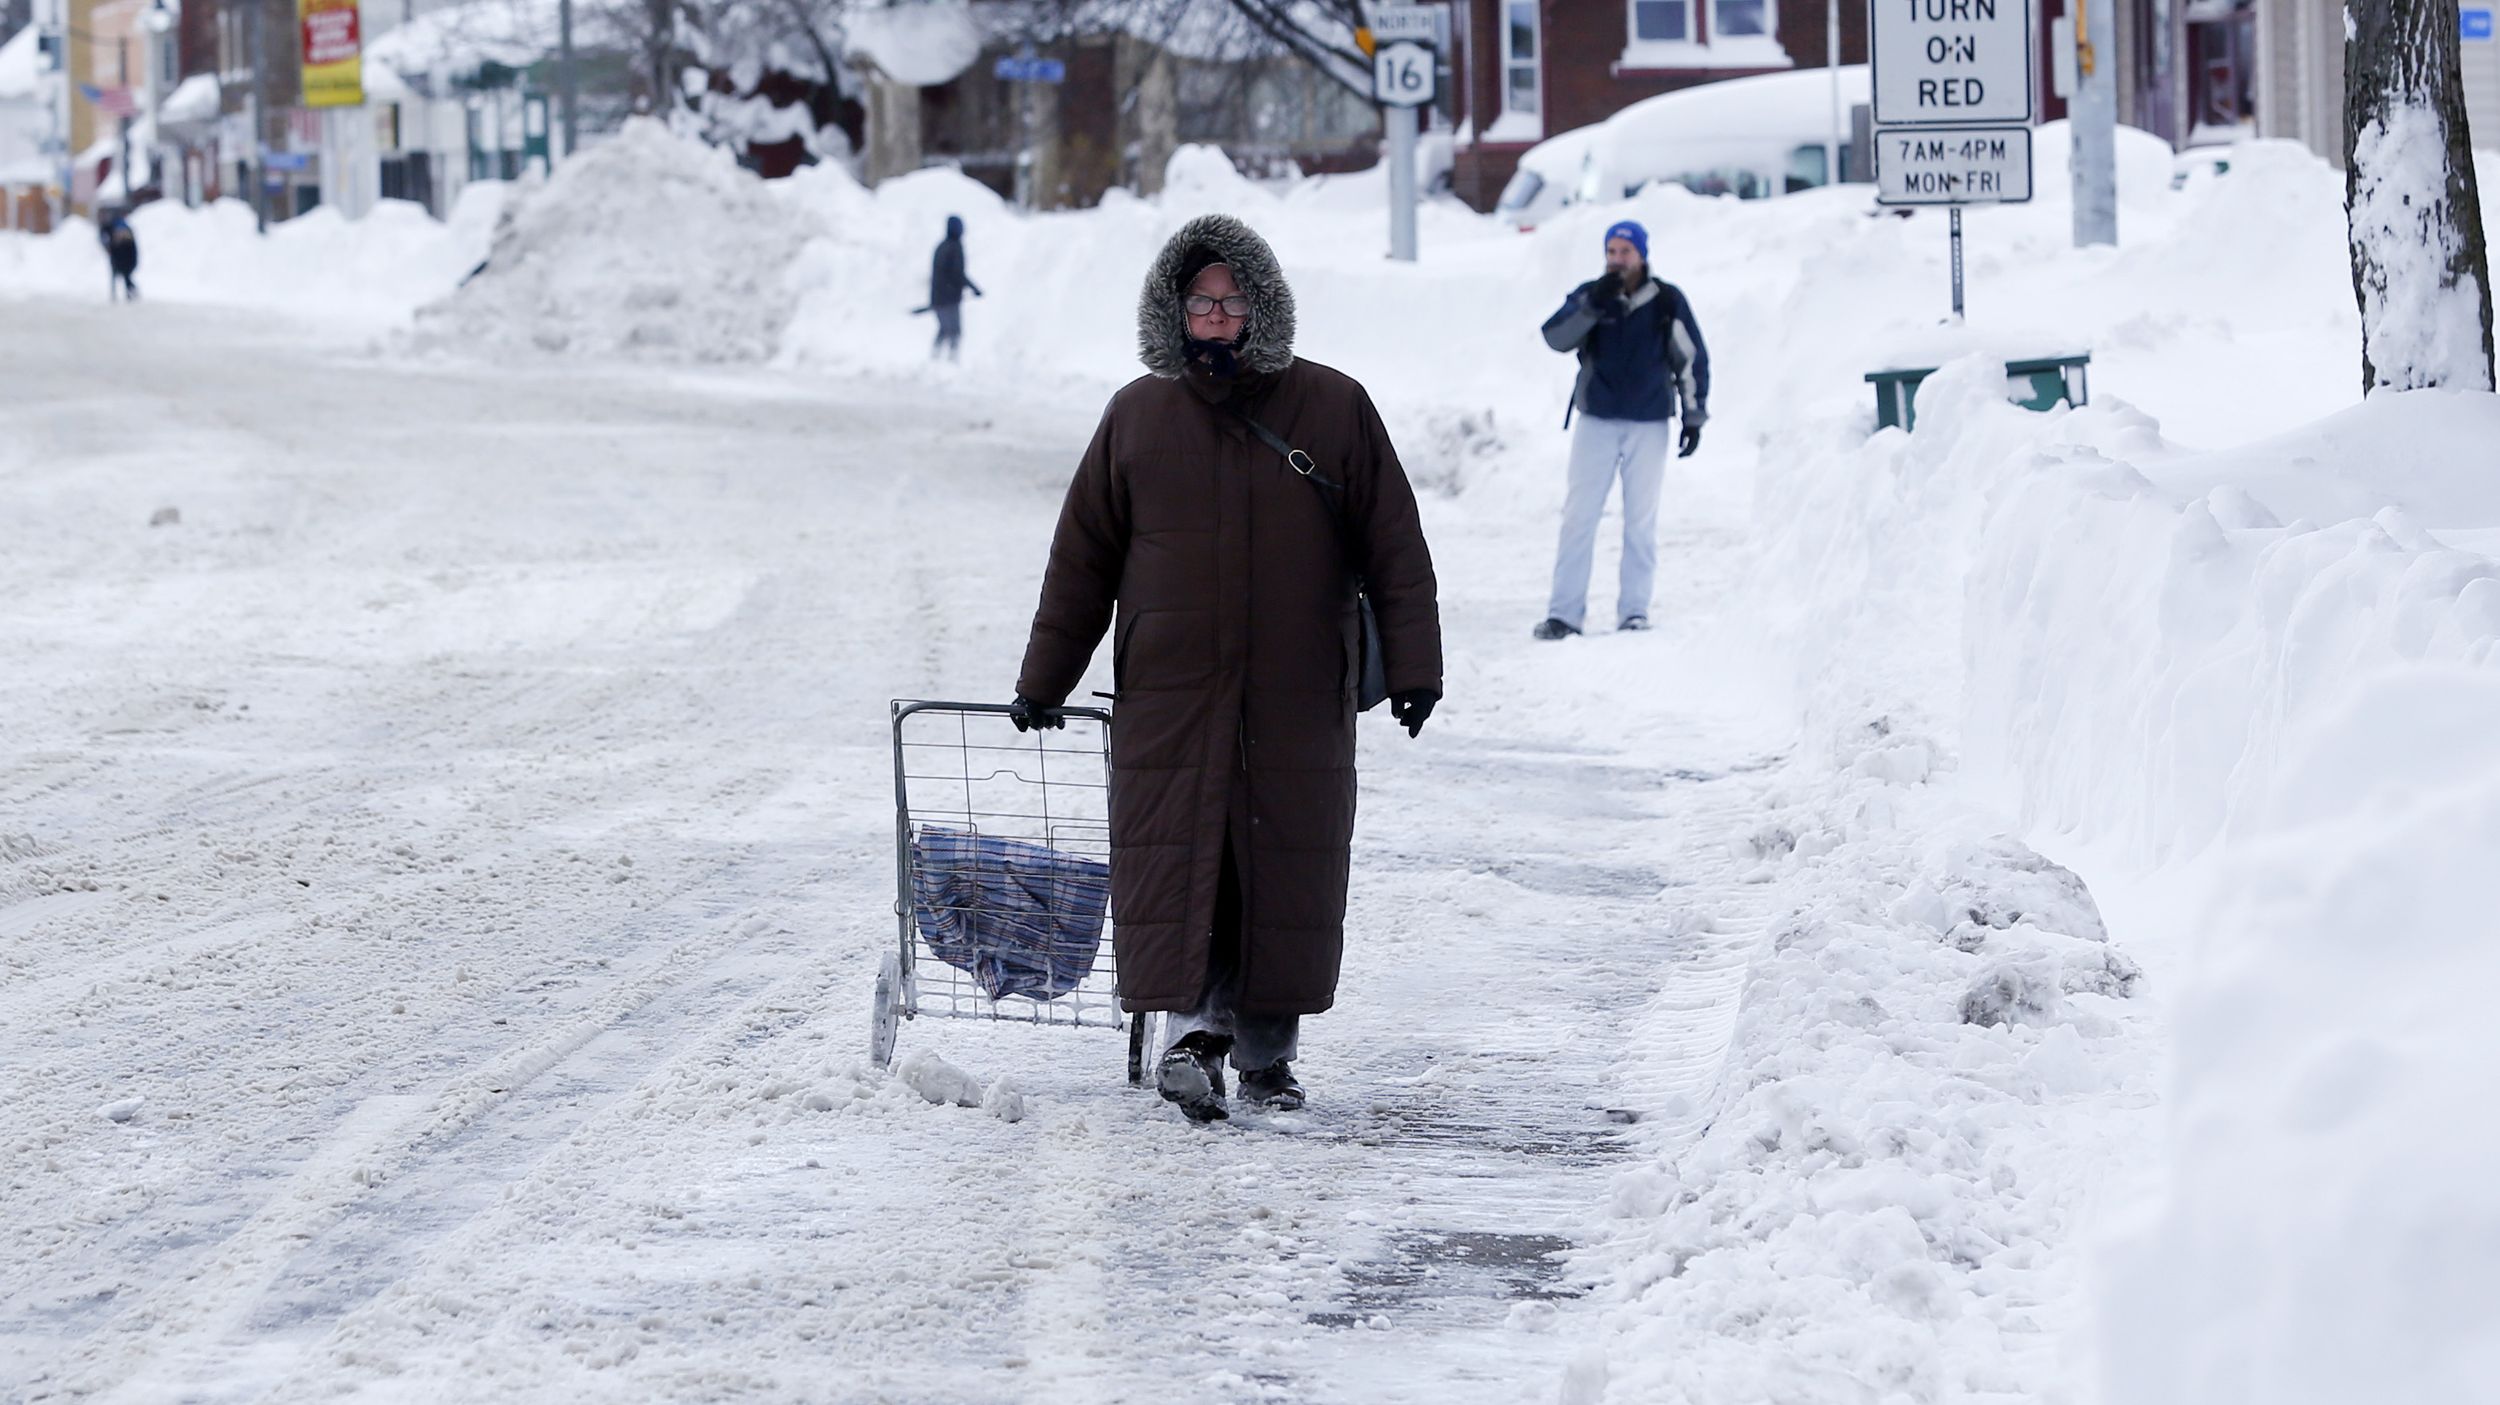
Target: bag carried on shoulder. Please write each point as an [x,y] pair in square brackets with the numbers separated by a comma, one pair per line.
[1371,679]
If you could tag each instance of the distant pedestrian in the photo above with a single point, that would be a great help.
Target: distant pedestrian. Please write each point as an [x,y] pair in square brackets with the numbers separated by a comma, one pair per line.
[947,284]
[1642,364]
[121,249]
[1231,506]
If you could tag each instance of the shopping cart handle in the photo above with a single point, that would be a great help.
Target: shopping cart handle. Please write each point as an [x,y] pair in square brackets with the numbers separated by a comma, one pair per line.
[905,707]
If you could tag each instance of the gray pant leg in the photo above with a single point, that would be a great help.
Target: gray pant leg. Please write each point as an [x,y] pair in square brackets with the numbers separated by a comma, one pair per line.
[1596,447]
[1644,477]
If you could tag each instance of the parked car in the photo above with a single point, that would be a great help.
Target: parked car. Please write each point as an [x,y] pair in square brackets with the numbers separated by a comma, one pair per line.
[1748,137]
[1548,175]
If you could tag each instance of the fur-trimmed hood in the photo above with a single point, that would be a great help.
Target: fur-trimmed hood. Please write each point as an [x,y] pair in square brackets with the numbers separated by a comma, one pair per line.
[1162,330]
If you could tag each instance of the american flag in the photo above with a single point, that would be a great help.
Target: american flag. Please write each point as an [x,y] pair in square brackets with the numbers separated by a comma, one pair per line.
[112,102]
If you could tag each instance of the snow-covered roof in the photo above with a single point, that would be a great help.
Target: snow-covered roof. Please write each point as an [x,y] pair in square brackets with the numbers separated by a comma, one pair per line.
[19,65]
[920,43]
[460,39]
[195,99]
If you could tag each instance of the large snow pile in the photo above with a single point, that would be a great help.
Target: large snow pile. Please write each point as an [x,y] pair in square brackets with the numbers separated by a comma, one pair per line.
[2270,670]
[648,245]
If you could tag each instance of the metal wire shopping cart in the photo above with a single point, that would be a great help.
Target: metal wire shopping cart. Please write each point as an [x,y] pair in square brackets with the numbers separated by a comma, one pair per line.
[1003,872]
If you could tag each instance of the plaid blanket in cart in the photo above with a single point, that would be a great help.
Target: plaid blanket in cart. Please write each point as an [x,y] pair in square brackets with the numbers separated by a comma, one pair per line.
[1020,918]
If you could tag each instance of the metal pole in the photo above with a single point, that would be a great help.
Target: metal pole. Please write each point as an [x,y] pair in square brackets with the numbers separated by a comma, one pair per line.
[253,103]
[1957,263]
[2094,110]
[130,192]
[1401,124]
[566,89]
[1831,56]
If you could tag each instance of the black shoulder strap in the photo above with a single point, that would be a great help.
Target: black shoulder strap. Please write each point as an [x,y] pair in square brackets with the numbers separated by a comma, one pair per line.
[1330,493]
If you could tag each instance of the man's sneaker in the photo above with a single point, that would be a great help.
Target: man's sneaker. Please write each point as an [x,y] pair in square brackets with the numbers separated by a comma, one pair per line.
[1553,629]
[1272,1087]
[1191,1076]
[1634,623]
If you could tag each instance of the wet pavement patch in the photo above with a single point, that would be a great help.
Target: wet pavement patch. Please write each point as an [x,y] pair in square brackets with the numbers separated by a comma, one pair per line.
[1422,1268]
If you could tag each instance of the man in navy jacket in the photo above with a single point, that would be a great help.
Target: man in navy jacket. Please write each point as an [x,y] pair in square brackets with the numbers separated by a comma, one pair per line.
[1642,364]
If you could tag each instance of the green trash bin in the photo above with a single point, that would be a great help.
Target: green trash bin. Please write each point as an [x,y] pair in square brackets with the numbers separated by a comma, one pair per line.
[2039,383]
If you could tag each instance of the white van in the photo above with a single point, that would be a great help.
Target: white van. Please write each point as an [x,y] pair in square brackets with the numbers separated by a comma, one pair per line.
[1747,137]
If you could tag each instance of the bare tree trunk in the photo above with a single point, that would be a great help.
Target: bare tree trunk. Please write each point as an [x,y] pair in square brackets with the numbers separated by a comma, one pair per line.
[2420,269]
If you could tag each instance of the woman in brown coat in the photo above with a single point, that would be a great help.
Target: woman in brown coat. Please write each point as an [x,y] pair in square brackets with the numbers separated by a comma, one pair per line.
[1236,655]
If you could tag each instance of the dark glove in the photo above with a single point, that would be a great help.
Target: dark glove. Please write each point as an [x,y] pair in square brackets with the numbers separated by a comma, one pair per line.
[1690,442]
[1410,708]
[1606,294]
[1028,714]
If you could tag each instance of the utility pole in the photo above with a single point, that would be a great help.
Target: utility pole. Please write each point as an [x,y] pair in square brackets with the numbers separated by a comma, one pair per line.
[1401,122]
[130,193]
[1831,61]
[2094,111]
[567,90]
[253,103]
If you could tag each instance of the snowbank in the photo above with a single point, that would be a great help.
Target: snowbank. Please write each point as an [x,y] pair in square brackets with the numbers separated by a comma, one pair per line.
[646,245]
[2271,667]
[366,275]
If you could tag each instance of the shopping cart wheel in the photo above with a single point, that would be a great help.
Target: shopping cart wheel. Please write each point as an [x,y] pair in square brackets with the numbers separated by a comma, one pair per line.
[887,1012]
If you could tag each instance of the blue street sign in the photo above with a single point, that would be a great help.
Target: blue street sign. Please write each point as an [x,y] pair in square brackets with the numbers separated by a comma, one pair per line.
[2474,24]
[1031,70]
[286,160]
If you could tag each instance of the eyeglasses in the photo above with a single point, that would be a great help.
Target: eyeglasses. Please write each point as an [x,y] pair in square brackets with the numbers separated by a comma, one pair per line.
[1199,305]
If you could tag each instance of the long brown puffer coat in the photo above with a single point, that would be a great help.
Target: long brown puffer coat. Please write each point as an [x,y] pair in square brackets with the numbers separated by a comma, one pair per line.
[1236,644]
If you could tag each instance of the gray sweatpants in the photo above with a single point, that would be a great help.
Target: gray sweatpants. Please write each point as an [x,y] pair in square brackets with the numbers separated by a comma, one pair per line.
[1258,1040]
[1601,450]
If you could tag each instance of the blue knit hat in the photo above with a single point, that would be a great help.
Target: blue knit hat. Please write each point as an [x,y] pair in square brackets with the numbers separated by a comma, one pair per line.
[1631,232]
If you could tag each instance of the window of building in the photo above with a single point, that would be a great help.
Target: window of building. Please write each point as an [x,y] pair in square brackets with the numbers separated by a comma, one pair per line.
[1697,34]
[1521,55]
[1730,19]
[1522,87]
[1662,21]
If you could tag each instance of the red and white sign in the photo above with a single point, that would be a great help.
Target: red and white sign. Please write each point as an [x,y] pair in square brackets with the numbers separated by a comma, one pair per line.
[331,36]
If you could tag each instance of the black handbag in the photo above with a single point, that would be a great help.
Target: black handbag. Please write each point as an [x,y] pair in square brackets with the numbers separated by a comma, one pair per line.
[1371,685]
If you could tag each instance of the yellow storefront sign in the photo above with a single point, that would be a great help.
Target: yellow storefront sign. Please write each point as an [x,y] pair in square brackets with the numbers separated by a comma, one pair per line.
[334,52]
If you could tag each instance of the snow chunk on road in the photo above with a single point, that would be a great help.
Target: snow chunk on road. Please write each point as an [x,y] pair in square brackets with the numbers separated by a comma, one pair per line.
[649,245]
[120,1109]
[937,1080]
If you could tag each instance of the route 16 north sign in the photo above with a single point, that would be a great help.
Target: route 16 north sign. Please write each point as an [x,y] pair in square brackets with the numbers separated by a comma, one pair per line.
[1402,74]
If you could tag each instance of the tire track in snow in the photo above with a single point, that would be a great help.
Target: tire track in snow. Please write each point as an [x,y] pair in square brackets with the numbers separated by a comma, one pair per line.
[180,1330]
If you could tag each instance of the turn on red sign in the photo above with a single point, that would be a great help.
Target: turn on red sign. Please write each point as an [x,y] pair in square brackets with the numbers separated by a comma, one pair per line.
[1951,62]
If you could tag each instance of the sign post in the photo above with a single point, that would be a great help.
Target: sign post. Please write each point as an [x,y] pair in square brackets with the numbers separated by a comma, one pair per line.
[1032,72]
[1953,106]
[1405,42]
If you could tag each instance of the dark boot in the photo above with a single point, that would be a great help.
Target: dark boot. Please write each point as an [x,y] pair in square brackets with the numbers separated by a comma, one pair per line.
[1552,629]
[1191,1075]
[1272,1087]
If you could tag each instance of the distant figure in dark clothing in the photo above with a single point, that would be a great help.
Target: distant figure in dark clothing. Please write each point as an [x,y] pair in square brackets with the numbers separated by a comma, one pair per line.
[121,247]
[947,282]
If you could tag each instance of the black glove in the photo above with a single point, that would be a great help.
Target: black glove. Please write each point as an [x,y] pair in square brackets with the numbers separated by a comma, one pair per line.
[1690,442]
[1607,292]
[1410,708]
[1028,714]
